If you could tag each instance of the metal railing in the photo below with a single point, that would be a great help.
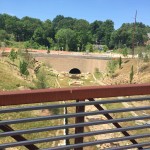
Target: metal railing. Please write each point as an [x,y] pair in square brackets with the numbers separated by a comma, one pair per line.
[106,117]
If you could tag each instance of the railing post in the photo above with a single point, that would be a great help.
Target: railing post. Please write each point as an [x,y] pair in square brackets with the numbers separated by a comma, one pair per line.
[79,129]
[67,130]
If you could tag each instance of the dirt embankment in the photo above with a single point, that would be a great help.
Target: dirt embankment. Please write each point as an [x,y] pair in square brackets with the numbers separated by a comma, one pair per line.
[122,76]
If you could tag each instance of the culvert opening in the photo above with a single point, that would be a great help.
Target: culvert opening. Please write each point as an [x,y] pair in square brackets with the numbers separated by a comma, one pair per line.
[75,71]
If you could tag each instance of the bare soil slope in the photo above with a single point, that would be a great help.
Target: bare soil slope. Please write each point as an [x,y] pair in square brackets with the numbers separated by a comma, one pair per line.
[122,76]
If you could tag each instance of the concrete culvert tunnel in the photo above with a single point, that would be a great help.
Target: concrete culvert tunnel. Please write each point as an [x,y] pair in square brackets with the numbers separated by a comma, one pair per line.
[75,71]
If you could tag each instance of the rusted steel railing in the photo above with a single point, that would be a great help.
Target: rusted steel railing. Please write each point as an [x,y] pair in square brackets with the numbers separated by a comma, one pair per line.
[64,94]
[84,97]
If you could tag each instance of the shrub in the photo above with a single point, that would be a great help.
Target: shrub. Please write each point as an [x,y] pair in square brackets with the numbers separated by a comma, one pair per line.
[146,58]
[105,48]
[125,52]
[20,52]
[34,45]
[41,79]
[140,55]
[27,57]
[55,111]
[111,67]
[13,55]
[27,45]
[23,68]
[148,47]
[97,73]
[89,47]
[143,68]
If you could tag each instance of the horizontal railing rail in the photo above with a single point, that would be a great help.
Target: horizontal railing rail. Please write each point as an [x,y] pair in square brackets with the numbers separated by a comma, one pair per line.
[74,118]
[65,94]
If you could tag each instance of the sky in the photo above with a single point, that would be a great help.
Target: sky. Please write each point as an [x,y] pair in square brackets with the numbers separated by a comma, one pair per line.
[119,11]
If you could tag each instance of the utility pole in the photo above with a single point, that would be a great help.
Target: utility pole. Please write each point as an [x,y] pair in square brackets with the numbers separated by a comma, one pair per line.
[133,36]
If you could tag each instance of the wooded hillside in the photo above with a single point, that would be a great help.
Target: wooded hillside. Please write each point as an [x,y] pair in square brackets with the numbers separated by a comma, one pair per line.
[66,33]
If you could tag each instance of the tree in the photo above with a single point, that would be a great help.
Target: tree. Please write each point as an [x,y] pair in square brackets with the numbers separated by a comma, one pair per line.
[131,74]
[95,26]
[66,23]
[3,36]
[124,35]
[51,42]
[39,32]
[10,23]
[114,40]
[38,36]
[47,26]
[2,22]
[56,21]
[29,26]
[120,62]
[83,33]
[108,28]
[65,37]
[48,34]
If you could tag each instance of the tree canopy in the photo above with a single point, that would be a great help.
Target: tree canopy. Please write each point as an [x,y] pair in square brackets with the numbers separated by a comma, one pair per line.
[70,33]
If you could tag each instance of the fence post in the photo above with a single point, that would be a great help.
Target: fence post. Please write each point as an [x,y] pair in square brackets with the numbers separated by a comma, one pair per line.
[67,130]
[79,109]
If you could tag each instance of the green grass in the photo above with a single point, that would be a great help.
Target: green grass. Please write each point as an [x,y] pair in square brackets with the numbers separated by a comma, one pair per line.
[97,74]
[130,123]
[64,82]
[9,78]
[21,126]
[86,129]
[89,81]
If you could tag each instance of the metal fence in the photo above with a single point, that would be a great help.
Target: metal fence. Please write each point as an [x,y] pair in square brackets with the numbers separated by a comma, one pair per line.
[107,117]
